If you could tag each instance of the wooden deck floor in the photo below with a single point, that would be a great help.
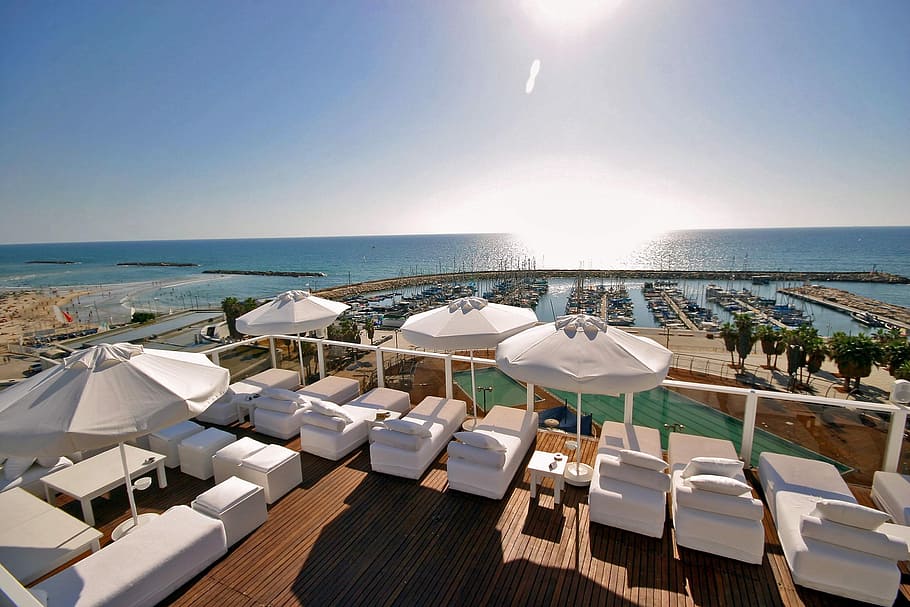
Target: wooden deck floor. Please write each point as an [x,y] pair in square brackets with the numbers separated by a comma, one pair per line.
[348,536]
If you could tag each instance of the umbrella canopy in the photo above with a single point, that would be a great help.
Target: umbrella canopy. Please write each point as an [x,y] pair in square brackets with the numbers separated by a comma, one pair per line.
[289,313]
[468,323]
[104,395]
[582,354]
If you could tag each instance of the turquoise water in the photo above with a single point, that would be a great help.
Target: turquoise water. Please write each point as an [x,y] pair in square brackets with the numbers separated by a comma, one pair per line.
[505,390]
[660,406]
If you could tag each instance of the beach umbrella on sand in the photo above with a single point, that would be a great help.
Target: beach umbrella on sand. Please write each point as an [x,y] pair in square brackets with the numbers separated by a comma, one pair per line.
[291,312]
[468,323]
[105,395]
[582,354]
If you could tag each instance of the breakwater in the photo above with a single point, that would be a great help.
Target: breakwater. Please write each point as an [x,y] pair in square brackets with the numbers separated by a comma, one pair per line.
[264,273]
[850,303]
[158,264]
[646,275]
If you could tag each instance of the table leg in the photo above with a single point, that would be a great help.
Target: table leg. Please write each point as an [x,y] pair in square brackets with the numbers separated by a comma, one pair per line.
[96,545]
[87,513]
[534,481]
[162,477]
[50,496]
[557,488]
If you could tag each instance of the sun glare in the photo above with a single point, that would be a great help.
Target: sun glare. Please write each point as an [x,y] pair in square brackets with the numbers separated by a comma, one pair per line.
[572,14]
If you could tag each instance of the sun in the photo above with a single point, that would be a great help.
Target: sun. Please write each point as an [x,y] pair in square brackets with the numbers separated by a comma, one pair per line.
[572,14]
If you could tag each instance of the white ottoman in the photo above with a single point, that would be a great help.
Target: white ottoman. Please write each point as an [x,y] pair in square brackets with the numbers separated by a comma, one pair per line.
[197,450]
[238,504]
[226,461]
[222,412]
[165,441]
[275,469]
[891,492]
[336,389]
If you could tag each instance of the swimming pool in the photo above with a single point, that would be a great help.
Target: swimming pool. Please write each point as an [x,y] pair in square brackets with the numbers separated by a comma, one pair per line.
[653,409]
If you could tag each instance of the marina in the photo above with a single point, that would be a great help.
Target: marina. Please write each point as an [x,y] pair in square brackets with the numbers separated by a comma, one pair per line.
[866,310]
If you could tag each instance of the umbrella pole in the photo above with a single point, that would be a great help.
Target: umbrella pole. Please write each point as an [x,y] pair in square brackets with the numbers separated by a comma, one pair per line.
[300,356]
[473,388]
[129,485]
[578,432]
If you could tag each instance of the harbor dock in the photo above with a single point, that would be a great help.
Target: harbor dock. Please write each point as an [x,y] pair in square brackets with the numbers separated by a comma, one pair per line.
[856,305]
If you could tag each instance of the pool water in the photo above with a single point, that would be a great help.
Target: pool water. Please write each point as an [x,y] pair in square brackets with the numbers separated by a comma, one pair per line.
[505,390]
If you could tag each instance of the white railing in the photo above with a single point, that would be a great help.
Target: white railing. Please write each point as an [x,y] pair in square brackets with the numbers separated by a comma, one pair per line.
[896,422]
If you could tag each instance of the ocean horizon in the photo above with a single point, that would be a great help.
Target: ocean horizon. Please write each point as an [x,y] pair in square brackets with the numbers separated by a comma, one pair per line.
[352,259]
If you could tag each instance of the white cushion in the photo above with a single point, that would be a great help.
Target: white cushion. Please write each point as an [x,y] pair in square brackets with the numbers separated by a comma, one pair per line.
[865,540]
[399,440]
[719,484]
[48,462]
[280,394]
[850,514]
[16,467]
[269,458]
[313,418]
[239,449]
[642,460]
[739,506]
[225,494]
[478,455]
[406,426]
[277,405]
[480,440]
[613,467]
[330,409]
[718,466]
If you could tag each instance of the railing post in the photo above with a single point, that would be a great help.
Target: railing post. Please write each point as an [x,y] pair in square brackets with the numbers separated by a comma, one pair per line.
[380,369]
[530,392]
[448,365]
[895,440]
[216,359]
[627,412]
[272,353]
[320,356]
[749,414]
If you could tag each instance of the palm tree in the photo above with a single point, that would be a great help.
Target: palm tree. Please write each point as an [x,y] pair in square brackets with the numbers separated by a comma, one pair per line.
[895,349]
[745,337]
[854,356]
[769,337]
[233,308]
[729,334]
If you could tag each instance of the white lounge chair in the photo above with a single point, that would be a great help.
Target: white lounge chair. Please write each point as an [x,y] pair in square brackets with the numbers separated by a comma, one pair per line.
[826,554]
[629,491]
[332,437]
[408,452]
[891,493]
[708,519]
[27,472]
[487,467]
[335,389]
[143,567]
[224,411]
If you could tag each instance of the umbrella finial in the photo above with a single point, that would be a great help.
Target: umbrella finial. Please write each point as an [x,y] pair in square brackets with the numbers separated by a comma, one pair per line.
[466,304]
[102,355]
[591,325]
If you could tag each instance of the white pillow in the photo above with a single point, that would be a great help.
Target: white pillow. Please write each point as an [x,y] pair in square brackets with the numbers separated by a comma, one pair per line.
[865,540]
[406,426]
[280,394]
[642,460]
[848,513]
[719,484]
[398,440]
[312,418]
[274,404]
[16,467]
[48,462]
[481,440]
[612,468]
[482,457]
[717,466]
[331,409]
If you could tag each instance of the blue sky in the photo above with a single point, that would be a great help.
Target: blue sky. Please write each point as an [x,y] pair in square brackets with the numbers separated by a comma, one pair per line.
[158,120]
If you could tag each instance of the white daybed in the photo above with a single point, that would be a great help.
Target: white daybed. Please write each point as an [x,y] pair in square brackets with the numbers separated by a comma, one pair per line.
[627,490]
[335,389]
[826,554]
[891,493]
[711,520]
[333,437]
[144,567]
[278,412]
[408,452]
[224,411]
[487,467]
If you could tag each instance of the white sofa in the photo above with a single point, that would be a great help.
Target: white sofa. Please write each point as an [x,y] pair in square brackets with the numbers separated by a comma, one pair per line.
[143,567]
[726,525]
[224,411]
[482,470]
[12,474]
[860,564]
[333,437]
[623,492]
[409,455]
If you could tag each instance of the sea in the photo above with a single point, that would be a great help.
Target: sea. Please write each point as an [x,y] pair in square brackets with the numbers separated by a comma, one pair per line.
[120,289]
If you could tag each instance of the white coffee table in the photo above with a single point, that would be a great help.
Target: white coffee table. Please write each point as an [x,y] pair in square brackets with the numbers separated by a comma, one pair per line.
[97,475]
[540,469]
[36,538]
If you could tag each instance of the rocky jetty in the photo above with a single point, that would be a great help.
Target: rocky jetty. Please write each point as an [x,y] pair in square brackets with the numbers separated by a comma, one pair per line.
[264,273]
[59,262]
[158,264]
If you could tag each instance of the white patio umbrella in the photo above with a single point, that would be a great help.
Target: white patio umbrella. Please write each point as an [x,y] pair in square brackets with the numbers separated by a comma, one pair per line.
[468,323]
[582,354]
[291,312]
[105,395]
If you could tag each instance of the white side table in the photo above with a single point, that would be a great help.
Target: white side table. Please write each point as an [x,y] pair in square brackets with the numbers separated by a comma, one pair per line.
[540,468]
